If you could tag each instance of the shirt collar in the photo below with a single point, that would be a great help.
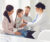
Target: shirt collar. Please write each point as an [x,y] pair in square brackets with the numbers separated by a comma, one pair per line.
[25,16]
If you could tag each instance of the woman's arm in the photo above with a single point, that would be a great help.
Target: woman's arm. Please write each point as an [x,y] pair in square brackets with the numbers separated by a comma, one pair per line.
[7,29]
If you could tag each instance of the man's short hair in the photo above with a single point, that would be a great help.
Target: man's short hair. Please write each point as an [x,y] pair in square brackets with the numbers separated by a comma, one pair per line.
[40,5]
[28,7]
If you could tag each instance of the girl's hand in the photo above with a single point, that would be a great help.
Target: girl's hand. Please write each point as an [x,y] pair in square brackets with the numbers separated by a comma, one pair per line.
[17,33]
[24,21]
[22,25]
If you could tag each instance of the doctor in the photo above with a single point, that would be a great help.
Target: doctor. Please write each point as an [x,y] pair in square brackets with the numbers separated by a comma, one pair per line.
[41,21]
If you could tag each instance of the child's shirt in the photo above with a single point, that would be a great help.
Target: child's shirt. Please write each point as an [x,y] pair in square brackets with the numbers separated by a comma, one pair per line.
[19,21]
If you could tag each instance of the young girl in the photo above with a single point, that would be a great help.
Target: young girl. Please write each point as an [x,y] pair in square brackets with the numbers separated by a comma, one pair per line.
[8,23]
[20,22]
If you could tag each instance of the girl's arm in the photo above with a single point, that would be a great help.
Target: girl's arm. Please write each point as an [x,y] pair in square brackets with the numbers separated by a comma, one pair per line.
[24,21]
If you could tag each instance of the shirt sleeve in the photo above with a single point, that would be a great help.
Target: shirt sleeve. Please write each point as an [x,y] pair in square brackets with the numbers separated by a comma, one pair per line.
[18,23]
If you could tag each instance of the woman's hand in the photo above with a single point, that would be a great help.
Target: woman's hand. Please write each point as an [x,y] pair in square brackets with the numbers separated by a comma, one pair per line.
[17,33]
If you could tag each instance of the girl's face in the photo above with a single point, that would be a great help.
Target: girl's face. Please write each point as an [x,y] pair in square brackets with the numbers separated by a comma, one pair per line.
[11,12]
[20,14]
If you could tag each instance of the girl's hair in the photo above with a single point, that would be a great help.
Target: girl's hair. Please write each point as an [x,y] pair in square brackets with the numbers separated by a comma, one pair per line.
[19,11]
[8,9]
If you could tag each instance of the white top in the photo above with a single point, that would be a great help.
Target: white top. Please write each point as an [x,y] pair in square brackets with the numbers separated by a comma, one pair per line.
[38,18]
[8,27]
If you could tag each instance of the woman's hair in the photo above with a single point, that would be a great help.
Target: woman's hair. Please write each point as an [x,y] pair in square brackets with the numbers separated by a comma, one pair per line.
[8,9]
[40,5]
[19,11]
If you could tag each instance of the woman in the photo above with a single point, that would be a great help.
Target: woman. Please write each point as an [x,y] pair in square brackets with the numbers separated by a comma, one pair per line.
[8,24]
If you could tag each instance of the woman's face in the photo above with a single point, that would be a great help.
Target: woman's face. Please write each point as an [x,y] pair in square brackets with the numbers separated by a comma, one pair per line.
[37,10]
[20,14]
[11,12]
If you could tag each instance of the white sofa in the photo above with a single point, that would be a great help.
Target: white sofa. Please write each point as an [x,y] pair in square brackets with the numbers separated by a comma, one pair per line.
[9,38]
[44,35]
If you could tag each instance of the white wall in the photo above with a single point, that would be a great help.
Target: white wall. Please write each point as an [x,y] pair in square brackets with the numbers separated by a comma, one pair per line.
[1,7]
[1,12]
[32,4]
[24,3]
